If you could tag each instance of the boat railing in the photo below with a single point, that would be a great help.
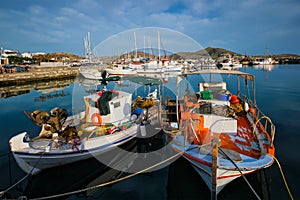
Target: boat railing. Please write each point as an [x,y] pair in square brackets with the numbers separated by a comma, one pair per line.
[262,120]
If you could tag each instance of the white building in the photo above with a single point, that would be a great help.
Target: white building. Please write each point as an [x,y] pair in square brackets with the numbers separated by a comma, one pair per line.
[26,55]
[5,53]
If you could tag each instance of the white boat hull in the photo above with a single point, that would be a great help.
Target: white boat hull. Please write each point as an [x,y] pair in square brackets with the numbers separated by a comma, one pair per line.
[34,160]
[119,72]
[226,171]
[89,73]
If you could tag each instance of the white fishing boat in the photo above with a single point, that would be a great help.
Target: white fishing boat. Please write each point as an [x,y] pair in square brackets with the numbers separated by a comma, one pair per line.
[90,73]
[229,66]
[224,136]
[106,123]
[121,70]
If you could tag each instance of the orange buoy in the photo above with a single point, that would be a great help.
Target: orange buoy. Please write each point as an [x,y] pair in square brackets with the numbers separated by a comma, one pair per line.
[234,99]
[252,110]
[96,119]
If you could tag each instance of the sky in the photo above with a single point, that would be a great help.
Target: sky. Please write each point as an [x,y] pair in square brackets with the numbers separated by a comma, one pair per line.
[245,27]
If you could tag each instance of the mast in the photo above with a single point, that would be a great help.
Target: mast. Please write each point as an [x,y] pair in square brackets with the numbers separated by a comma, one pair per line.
[87,47]
[144,45]
[158,44]
[267,51]
[151,49]
[135,46]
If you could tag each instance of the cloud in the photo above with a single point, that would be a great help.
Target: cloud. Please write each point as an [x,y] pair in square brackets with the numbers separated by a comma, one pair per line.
[233,24]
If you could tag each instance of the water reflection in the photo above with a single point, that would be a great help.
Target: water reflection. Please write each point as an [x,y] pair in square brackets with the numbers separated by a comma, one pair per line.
[49,89]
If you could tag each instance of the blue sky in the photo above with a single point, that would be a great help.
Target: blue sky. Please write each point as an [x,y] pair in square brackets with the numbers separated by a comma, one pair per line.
[238,25]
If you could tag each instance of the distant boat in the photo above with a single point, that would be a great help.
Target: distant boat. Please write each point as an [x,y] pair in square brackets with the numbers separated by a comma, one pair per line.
[222,135]
[105,124]
[90,73]
[229,63]
[265,61]
[121,70]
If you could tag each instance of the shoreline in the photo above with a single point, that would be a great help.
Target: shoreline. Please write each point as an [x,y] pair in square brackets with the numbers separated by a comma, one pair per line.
[37,74]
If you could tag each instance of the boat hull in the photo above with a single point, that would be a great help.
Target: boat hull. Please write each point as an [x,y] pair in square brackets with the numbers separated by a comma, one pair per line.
[121,72]
[226,171]
[34,160]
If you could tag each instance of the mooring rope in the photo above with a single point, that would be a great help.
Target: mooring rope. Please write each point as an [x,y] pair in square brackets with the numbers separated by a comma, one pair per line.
[240,173]
[22,179]
[283,177]
[5,154]
[110,182]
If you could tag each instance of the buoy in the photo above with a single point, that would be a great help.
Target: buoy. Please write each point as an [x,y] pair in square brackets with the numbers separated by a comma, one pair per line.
[252,110]
[246,107]
[100,93]
[234,99]
[96,119]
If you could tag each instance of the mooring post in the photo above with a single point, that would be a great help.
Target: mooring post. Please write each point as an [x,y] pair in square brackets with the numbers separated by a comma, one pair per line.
[215,144]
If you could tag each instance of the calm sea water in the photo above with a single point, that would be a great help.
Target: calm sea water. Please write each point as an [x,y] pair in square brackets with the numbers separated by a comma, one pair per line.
[278,95]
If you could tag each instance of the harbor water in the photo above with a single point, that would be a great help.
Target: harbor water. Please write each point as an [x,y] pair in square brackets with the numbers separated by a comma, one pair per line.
[278,96]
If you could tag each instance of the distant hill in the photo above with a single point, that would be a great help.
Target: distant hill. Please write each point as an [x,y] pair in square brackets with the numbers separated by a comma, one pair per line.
[207,52]
[217,52]
[285,55]
[58,56]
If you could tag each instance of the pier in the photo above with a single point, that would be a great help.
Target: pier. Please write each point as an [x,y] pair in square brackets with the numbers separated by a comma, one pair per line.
[36,74]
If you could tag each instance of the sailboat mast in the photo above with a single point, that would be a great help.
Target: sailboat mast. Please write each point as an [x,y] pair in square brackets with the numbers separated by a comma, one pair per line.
[135,46]
[144,45]
[87,47]
[158,44]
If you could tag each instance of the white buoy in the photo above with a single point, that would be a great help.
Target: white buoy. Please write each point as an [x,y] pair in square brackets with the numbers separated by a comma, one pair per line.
[143,130]
[246,107]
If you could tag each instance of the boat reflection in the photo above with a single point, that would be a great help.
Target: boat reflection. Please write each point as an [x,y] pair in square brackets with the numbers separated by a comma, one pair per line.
[266,68]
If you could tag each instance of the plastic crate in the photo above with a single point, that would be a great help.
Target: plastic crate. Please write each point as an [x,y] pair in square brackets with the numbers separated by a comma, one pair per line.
[207,94]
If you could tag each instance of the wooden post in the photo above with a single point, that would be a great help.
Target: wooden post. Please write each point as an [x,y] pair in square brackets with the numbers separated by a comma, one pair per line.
[215,144]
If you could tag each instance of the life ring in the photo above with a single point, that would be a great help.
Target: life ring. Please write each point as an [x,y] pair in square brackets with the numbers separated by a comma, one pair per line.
[96,119]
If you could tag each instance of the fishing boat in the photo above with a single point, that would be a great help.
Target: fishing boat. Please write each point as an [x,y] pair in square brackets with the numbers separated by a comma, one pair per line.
[120,70]
[90,73]
[107,122]
[223,134]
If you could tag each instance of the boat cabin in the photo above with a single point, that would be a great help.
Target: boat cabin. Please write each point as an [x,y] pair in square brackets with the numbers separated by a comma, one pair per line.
[108,107]
[214,107]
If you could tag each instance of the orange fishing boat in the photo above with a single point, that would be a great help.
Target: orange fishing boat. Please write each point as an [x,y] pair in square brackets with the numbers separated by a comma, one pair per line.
[222,134]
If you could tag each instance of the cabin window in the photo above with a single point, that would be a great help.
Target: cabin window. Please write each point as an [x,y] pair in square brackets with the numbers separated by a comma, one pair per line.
[117,104]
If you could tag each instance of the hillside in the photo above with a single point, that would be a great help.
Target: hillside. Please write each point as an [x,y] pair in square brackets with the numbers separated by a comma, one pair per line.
[58,56]
[209,51]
